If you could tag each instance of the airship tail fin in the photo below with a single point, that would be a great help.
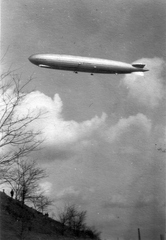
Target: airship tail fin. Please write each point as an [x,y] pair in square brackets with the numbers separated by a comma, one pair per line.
[138,65]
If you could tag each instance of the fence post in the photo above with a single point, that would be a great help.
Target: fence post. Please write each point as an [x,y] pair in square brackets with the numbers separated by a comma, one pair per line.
[139,234]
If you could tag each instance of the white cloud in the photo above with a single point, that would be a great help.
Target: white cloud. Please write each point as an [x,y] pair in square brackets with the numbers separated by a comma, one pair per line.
[46,187]
[148,89]
[161,144]
[56,130]
[60,136]
[116,200]
[124,124]
[165,136]
[121,201]
[70,191]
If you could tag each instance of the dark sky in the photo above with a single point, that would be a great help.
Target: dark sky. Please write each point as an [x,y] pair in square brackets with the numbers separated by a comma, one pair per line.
[102,132]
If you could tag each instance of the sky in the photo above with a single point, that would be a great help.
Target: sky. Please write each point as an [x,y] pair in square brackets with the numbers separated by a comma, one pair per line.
[105,135]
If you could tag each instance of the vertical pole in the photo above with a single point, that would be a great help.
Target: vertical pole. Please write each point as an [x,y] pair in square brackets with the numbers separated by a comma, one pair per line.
[139,234]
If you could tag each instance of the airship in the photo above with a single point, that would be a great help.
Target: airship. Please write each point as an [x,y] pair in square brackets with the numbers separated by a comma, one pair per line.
[85,64]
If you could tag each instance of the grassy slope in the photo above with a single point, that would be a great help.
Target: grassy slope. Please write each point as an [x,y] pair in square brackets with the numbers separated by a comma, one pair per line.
[34,226]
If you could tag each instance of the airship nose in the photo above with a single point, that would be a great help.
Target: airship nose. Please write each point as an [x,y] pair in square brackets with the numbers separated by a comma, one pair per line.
[33,58]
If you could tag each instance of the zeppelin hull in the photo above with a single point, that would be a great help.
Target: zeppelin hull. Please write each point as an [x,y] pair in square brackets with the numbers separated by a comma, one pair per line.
[83,64]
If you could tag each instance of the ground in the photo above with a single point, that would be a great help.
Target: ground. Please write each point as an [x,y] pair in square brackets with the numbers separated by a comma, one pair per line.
[19,221]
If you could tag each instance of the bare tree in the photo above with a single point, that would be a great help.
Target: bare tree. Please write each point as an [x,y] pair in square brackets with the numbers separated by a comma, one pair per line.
[62,218]
[17,139]
[73,219]
[24,177]
[41,202]
[92,233]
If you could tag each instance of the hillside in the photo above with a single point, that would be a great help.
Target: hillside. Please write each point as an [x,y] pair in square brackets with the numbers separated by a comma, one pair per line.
[22,222]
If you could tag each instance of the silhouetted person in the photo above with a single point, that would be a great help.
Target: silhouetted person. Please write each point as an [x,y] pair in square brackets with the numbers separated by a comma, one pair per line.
[12,193]
[23,195]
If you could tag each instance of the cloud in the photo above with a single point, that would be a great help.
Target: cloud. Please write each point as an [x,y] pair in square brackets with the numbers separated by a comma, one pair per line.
[72,195]
[121,201]
[59,134]
[147,90]
[46,187]
[117,200]
[147,200]
[160,137]
[126,124]
[54,128]
[70,191]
